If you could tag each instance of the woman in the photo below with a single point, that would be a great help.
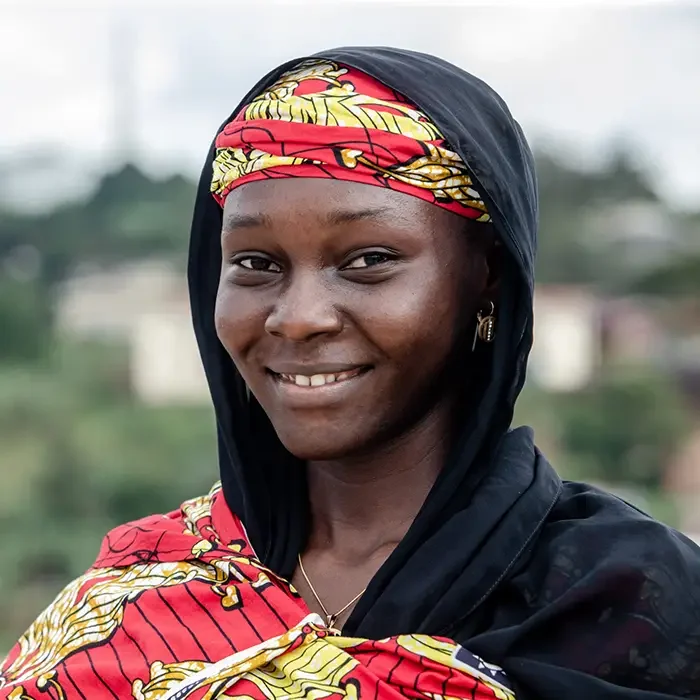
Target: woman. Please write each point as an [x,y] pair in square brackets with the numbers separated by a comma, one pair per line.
[361,276]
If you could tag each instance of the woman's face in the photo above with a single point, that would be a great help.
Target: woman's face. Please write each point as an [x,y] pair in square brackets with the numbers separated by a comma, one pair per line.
[340,304]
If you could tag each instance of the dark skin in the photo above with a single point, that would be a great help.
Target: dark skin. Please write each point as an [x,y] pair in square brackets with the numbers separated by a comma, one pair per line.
[364,292]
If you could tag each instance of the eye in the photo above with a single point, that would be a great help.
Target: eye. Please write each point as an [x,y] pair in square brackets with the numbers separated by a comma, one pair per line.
[257,263]
[371,259]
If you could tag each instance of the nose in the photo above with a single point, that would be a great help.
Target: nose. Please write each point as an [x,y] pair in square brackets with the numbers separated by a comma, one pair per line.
[304,310]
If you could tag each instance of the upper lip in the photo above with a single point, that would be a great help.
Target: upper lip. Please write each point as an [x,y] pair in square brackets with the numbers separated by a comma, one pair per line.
[310,370]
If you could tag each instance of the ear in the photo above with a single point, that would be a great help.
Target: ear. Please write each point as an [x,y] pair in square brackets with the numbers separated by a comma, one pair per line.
[494,263]
[491,253]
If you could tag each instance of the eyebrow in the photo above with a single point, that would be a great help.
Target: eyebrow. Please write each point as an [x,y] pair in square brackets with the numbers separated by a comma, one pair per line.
[349,216]
[237,220]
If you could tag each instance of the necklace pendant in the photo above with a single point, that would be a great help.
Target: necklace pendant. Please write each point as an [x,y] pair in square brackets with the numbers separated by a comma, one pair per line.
[330,625]
[331,618]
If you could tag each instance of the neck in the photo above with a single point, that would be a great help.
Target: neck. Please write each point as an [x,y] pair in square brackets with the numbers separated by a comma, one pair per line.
[364,504]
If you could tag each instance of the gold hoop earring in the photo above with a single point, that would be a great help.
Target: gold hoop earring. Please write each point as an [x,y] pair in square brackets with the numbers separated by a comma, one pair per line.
[485,326]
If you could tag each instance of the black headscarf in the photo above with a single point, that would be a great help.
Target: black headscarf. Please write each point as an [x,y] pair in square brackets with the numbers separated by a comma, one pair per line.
[573,592]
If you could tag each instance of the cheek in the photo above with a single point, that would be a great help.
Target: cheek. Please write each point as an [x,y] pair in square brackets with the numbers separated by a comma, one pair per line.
[415,322]
[236,317]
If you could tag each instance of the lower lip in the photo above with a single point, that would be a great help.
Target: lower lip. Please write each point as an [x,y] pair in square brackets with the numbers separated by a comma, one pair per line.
[317,395]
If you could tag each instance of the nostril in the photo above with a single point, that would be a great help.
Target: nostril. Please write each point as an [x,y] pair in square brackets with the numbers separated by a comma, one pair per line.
[303,324]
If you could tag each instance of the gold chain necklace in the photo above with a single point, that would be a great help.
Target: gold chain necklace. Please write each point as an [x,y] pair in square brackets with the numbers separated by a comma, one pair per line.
[330,617]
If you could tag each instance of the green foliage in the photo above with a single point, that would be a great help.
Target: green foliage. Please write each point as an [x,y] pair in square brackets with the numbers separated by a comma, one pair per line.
[25,320]
[568,252]
[79,457]
[678,278]
[623,428]
[128,217]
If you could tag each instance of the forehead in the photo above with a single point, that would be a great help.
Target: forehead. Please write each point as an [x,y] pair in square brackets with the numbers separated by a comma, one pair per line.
[327,200]
[317,193]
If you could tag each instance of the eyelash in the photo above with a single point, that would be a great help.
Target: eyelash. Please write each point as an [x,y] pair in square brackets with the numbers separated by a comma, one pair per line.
[239,262]
[386,256]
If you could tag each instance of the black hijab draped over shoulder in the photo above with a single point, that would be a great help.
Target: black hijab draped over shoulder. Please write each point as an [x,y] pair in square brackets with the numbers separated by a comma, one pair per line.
[573,592]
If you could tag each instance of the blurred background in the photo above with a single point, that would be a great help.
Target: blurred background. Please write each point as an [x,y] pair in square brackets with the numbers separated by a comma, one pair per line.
[108,111]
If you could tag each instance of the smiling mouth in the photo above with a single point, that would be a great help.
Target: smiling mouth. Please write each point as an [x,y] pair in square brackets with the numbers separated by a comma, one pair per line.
[313,381]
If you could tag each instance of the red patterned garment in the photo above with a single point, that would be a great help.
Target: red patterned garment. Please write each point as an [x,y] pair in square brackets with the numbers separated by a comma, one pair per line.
[324,120]
[177,607]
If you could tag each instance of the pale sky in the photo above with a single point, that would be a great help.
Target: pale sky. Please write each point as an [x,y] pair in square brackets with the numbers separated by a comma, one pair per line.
[578,77]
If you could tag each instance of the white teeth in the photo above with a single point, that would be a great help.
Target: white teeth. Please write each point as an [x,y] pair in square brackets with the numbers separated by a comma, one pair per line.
[318,379]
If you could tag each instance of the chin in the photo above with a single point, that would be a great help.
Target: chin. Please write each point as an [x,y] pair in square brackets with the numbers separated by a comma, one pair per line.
[320,444]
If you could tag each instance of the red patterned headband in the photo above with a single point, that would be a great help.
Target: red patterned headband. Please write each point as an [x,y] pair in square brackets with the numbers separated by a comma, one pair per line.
[328,121]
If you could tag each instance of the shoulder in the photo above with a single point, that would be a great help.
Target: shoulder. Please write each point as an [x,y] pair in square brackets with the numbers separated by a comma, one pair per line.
[625,586]
[137,561]
[610,592]
[198,525]
[593,536]
[600,526]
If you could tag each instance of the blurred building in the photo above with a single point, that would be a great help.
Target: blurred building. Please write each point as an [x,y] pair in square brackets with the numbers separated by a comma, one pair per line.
[630,332]
[683,481]
[165,364]
[638,229]
[567,343]
[145,306]
[105,303]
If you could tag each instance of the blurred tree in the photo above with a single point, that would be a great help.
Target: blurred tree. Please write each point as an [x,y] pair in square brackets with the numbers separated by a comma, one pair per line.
[624,428]
[25,320]
[79,457]
[567,254]
[129,216]
[680,277]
